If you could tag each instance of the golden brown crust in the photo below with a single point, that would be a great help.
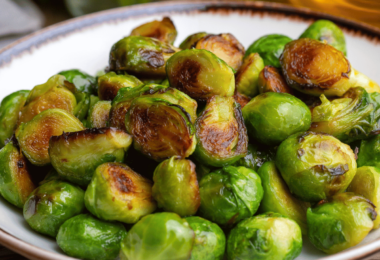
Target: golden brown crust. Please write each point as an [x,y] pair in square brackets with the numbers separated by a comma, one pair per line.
[241,99]
[271,80]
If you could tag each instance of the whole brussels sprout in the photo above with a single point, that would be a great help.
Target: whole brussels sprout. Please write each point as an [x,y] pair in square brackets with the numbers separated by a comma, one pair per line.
[200,74]
[272,117]
[210,241]
[324,30]
[256,157]
[369,152]
[243,100]
[340,222]
[315,165]
[267,236]
[163,30]
[160,129]
[51,204]
[176,187]
[271,80]
[170,237]
[99,114]
[51,176]
[33,136]
[269,47]
[15,181]
[83,105]
[88,238]
[221,133]
[201,169]
[76,155]
[230,194]
[189,42]
[81,80]
[10,108]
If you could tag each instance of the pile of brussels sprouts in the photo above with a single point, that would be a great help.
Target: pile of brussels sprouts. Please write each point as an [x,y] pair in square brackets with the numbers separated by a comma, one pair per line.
[236,154]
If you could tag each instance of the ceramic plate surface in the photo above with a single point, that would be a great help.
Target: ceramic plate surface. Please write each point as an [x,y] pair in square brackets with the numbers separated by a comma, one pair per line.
[85,42]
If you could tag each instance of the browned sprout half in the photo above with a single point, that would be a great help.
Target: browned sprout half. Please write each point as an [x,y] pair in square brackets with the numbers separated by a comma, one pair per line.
[241,98]
[163,30]
[271,80]
[191,40]
[110,83]
[99,114]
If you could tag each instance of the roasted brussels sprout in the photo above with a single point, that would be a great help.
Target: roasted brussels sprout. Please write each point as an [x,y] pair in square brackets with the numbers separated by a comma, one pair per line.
[246,79]
[315,165]
[230,194]
[210,241]
[256,157]
[271,80]
[160,129]
[51,176]
[340,222]
[10,108]
[269,47]
[51,204]
[83,105]
[76,155]
[243,100]
[170,237]
[176,187]
[81,80]
[267,236]
[189,42]
[165,83]
[88,238]
[99,114]
[369,152]
[163,30]
[200,74]
[34,135]
[15,181]
[272,117]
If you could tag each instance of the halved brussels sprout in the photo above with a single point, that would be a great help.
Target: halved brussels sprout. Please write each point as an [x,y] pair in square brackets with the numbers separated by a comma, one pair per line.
[10,108]
[340,222]
[83,105]
[200,74]
[191,40]
[163,30]
[272,117]
[256,157]
[160,129]
[170,237]
[271,80]
[269,47]
[315,165]
[81,80]
[221,133]
[176,187]
[15,181]
[246,78]
[76,155]
[210,241]
[267,236]
[369,152]
[34,135]
[51,204]
[99,114]
[86,237]
[230,194]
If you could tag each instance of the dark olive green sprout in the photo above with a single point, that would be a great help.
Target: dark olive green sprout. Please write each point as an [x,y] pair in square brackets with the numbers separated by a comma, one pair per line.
[271,80]
[340,222]
[269,47]
[315,165]
[76,155]
[326,31]
[267,236]
[230,194]
[88,238]
[163,30]
[210,241]
[246,78]
[165,82]
[81,80]
[271,117]
[176,187]
[200,74]
[369,152]
[51,204]
[15,181]
[33,136]
[83,105]
[10,108]
[170,237]
[52,175]
[256,157]
[189,42]
[202,169]
[99,114]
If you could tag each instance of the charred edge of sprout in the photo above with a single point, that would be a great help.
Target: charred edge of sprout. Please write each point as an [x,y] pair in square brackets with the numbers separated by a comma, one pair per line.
[87,132]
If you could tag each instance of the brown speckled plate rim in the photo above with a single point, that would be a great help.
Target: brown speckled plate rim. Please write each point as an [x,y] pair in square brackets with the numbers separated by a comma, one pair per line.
[54,32]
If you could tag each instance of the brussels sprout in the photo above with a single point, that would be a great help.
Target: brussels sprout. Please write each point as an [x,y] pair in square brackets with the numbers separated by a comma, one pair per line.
[267,236]
[52,94]
[200,74]
[315,165]
[210,241]
[243,100]
[369,152]
[160,129]
[110,83]
[15,181]
[165,83]
[269,47]
[256,157]
[201,169]
[76,155]
[271,80]
[163,30]
[221,133]
[51,204]
[138,55]
[191,40]
[81,80]
[340,222]
[176,187]
[51,176]
[324,30]
[246,79]
[170,237]
[88,238]
[271,117]
[99,114]
[9,113]
[83,105]
[34,135]
[230,194]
